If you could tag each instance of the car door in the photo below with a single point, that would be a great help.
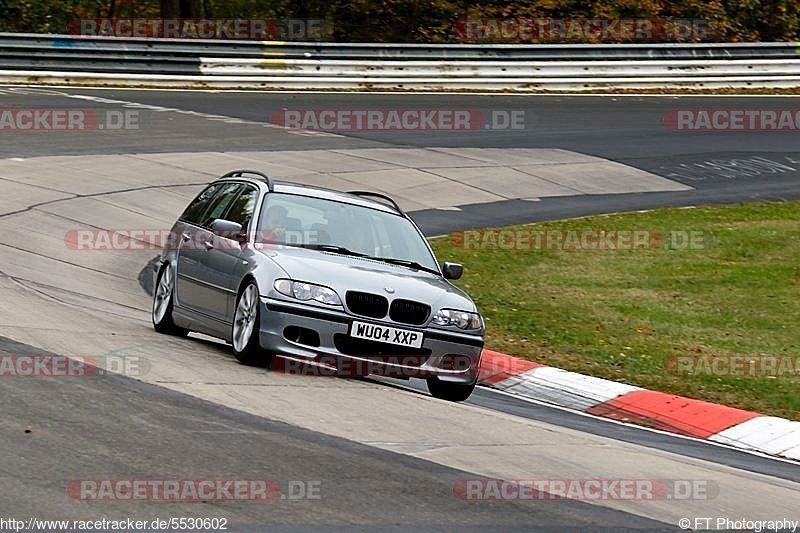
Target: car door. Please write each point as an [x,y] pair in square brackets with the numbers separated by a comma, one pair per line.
[193,283]
[221,261]
[188,233]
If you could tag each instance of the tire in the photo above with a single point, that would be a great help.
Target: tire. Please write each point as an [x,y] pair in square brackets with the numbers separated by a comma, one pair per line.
[246,326]
[452,392]
[163,297]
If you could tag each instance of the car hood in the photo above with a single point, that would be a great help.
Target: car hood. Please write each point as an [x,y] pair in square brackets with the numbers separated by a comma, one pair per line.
[343,273]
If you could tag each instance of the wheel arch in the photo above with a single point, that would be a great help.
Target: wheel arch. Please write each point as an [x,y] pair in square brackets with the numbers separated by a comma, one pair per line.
[245,281]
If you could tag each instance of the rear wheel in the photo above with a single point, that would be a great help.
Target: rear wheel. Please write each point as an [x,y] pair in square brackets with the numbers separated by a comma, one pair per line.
[246,327]
[452,392]
[162,304]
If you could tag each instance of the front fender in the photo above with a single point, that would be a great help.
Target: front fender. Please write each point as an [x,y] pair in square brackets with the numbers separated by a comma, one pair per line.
[257,266]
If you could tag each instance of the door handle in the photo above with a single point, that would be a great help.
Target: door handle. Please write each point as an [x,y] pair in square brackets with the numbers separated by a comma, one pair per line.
[186,237]
[208,245]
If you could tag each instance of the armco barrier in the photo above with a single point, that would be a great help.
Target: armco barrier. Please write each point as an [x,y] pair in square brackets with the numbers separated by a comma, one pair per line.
[104,61]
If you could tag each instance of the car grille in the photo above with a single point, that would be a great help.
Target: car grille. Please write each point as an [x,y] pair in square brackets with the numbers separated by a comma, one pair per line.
[366,304]
[409,312]
[371,349]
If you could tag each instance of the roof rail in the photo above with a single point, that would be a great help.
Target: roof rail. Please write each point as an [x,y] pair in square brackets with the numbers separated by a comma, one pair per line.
[240,173]
[378,195]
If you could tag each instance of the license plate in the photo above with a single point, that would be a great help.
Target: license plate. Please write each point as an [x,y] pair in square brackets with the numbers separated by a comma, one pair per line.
[401,337]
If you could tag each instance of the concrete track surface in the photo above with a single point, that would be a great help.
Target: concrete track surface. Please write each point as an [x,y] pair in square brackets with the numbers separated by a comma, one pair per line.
[384,454]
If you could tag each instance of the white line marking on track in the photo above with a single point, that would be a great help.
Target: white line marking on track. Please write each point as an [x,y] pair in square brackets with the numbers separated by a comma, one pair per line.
[208,116]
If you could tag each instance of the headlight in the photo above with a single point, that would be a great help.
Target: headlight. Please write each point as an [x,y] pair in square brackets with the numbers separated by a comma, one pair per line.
[307,291]
[459,319]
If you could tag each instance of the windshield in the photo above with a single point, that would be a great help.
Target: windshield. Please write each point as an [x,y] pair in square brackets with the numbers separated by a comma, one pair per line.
[305,221]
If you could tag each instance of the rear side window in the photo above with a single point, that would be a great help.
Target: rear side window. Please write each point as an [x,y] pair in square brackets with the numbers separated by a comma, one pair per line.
[194,212]
[220,203]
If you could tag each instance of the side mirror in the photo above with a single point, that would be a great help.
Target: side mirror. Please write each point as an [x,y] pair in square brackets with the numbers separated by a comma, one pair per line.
[228,230]
[452,270]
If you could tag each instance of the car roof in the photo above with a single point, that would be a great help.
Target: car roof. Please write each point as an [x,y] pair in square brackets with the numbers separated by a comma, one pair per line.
[314,191]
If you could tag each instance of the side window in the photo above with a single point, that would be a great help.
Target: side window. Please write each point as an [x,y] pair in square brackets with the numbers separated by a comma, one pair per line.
[219,204]
[195,211]
[241,210]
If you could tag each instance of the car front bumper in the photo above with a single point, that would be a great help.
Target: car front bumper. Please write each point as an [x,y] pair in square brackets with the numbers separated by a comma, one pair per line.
[450,356]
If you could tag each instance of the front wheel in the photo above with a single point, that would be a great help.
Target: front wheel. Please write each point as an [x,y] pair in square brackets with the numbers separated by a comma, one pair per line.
[452,392]
[163,297]
[246,327]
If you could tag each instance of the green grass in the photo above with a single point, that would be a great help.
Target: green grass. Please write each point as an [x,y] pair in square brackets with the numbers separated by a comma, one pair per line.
[621,315]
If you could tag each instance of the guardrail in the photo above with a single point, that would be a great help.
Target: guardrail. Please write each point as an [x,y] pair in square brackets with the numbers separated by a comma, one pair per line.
[112,61]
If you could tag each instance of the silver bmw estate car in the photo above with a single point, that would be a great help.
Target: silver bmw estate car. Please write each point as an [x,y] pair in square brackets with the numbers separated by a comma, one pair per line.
[317,277]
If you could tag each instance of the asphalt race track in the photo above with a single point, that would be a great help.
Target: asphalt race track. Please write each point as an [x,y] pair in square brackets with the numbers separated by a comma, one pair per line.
[383,453]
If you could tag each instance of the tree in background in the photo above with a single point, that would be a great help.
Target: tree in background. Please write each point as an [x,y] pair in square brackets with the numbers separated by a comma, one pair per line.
[418,20]
[185,9]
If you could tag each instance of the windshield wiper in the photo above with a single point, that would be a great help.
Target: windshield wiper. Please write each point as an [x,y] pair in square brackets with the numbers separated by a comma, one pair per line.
[328,248]
[406,263]
[346,251]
